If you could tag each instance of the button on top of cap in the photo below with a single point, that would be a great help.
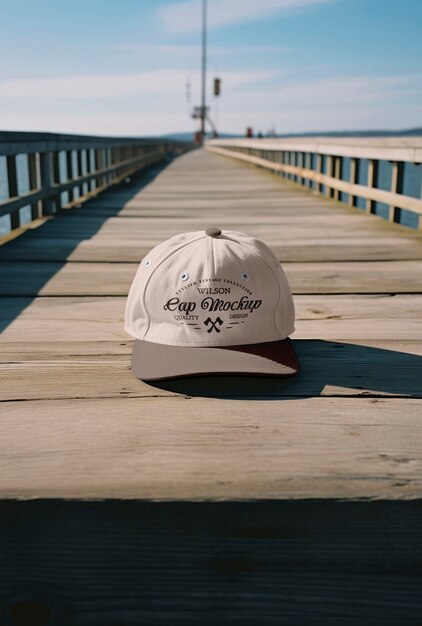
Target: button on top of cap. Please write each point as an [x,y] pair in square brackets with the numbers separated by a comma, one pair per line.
[213,231]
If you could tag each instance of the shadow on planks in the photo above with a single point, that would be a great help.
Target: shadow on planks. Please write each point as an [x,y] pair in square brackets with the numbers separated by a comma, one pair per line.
[265,562]
[15,249]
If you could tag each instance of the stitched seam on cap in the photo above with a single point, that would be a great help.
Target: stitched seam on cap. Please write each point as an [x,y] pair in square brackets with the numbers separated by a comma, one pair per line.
[152,274]
[279,294]
[212,258]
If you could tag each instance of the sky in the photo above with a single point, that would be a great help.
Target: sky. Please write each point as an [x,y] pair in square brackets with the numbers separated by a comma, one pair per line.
[132,67]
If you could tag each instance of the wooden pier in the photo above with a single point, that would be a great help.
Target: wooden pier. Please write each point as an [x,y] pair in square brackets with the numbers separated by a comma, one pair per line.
[77,424]
[212,500]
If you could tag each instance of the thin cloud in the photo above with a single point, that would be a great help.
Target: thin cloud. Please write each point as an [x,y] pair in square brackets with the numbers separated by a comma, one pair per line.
[154,102]
[383,115]
[102,124]
[192,49]
[351,90]
[185,17]
[88,86]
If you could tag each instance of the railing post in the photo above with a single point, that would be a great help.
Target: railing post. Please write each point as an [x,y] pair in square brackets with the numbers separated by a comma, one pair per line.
[69,174]
[372,182]
[116,159]
[107,163]
[308,166]
[56,178]
[279,159]
[299,163]
[45,175]
[80,171]
[318,170]
[354,172]
[33,183]
[101,159]
[91,183]
[329,173]
[113,161]
[98,166]
[283,162]
[396,187]
[12,179]
[110,162]
[120,158]
[337,175]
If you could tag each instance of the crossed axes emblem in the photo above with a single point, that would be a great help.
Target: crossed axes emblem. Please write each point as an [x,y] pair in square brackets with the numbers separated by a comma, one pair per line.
[209,321]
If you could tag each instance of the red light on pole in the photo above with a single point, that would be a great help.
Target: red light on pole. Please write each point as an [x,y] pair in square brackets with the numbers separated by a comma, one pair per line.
[217,86]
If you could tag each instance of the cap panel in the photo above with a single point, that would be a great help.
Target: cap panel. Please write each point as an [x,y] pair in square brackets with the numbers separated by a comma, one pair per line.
[284,310]
[170,298]
[284,313]
[136,315]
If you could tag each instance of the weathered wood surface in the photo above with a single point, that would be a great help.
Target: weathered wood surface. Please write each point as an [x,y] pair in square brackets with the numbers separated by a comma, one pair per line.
[114,279]
[323,248]
[112,446]
[331,369]
[76,423]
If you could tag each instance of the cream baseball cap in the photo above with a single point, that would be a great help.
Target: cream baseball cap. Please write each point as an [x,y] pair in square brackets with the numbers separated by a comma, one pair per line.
[211,302]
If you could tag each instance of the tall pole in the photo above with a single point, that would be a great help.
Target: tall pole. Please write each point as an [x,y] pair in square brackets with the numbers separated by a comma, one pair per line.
[204,67]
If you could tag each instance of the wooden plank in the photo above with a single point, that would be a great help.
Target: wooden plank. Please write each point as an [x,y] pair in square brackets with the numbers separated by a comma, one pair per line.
[14,351]
[329,368]
[277,237]
[115,278]
[153,448]
[341,225]
[196,209]
[333,317]
[306,250]
[276,204]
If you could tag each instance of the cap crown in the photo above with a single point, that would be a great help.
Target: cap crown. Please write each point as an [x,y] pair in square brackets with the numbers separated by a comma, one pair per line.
[200,290]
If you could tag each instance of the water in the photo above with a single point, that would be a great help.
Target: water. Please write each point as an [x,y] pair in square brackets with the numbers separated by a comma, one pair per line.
[412,183]
[22,172]
[412,186]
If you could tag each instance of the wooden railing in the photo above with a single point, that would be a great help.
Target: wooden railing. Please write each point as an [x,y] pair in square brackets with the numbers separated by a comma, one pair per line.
[63,170]
[346,169]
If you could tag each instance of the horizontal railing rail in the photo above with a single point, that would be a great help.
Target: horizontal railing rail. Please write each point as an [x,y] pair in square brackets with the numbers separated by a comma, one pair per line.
[381,175]
[46,172]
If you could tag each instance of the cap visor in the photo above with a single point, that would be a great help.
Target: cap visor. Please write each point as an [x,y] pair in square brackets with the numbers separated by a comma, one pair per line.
[155,361]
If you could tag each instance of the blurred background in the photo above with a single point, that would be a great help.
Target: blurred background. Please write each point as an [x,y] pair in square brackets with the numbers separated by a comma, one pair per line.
[133,67]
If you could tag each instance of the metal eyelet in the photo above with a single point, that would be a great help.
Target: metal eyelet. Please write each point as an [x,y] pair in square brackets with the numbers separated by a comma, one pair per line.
[147,262]
[184,276]
[244,276]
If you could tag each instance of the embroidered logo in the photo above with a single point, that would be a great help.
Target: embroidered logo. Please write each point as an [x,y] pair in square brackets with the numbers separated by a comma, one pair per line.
[209,321]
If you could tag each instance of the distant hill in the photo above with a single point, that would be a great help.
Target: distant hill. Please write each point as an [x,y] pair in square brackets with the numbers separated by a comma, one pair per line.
[189,136]
[409,132]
